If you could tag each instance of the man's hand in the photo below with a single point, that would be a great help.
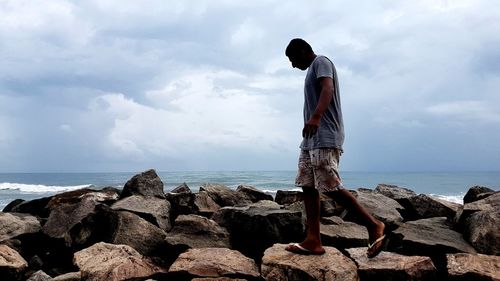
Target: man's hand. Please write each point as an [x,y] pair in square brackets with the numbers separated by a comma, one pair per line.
[311,127]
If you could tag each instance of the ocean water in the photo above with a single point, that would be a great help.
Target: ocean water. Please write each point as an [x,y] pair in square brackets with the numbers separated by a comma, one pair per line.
[450,186]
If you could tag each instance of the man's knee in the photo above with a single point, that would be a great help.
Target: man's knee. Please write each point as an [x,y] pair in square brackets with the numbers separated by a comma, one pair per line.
[309,191]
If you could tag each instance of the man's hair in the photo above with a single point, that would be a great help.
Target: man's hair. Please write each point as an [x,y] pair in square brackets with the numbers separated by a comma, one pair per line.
[297,45]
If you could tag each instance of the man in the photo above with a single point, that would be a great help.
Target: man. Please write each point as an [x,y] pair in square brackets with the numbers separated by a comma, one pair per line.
[323,137]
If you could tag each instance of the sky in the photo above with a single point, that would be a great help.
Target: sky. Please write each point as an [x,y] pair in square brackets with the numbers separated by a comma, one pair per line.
[119,85]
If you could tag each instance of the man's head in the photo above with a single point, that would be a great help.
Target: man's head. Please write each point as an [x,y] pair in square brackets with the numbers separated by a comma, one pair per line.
[300,53]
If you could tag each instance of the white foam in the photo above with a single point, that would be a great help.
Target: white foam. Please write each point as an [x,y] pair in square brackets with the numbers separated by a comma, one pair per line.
[450,198]
[39,188]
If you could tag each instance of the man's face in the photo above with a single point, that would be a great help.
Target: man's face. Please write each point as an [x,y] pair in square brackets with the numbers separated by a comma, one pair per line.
[299,61]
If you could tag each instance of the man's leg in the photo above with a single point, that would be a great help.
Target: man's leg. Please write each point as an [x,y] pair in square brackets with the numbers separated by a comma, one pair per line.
[312,207]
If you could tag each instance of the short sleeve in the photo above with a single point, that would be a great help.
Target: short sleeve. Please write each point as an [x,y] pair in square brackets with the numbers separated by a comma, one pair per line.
[323,67]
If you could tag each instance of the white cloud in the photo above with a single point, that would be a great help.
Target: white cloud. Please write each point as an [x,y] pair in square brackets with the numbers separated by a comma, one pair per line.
[467,110]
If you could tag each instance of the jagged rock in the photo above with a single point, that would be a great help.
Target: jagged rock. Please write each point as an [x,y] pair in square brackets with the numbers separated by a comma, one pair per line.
[205,205]
[342,234]
[214,263]
[482,230]
[71,276]
[328,207]
[478,267]
[12,204]
[193,231]
[40,276]
[287,197]
[12,264]
[153,209]
[392,266]
[224,196]
[181,204]
[490,203]
[253,194]
[429,237]
[36,207]
[147,183]
[381,207]
[183,188]
[477,193]
[105,195]
[425,206]
[110,262]
[254,228]
[15,224]
[395,192]
[281,265]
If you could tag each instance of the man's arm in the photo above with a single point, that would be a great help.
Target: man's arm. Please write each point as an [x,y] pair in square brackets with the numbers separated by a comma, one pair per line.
[325,97]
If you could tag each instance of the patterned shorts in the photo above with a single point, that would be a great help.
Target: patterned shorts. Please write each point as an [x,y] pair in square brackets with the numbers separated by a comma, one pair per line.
[319,168]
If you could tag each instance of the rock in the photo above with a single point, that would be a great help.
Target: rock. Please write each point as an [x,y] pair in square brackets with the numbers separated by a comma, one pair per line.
[224,196]
[477,193]
[105,195]
[381,207]
[395,192]
[465,267]
[40,276]
[205,205]
[12,264]
[281,265]
[153,209]
[182,204]
[253,194]
[287,197]
[104,261]
[36,207]
[428,207]
[392,266]
[490,203]
[15,224]
[328,207]
[71,276]
[482,230]
[213,263]
[254,228]
[183,188]
[193,231]
[342,234]
[218,279]
[146,183]
[12,204]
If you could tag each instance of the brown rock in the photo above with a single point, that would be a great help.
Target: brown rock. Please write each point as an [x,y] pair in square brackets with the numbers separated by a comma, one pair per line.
[281,265]
[110,262]
[253,194]
[477,267]
[183,188]
[146,183]
[218,279]
[153,209]
[12,264]
[40,276]
[482,230]
[392,266]
[15,224]
[205,205]
[381,207]
[287,197]
[182,203]
[477,193]
[214,263]
[395,192]
[71,276]
[224,196]
[428,207]
[342,234]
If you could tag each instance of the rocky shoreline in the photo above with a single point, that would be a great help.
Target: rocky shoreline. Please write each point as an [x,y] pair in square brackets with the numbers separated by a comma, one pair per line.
[216,233]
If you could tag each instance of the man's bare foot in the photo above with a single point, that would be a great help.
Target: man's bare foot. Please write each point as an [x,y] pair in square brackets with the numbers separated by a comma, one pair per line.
[376,238]
[306,248]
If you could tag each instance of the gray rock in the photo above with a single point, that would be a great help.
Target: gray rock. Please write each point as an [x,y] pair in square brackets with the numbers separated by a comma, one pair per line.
[71,276]
[15,224]
[482,230]
[224,196]
[40,276]
[281,265]
[183,188]
[342,234]
[395,192]
[182,204]
[147,183]
[12,264]
[466,267]
[153,209]
[193,231]
[254,228]
[287,197]
[205,205]
[213,263]
[490,203]
[477,193]
[109,262]
[392,266]
[105,195]
[381,207]
[428,207]
[253,194]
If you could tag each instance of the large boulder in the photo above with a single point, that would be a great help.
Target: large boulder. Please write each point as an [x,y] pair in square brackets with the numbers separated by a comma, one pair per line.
[205,205]
[256,227]
[15,224]
[147,183]
[392,266]
[253,194]
[213,263]
[425,206]
[193,231]
[280,265]
[105,195]
[35,207]
[381,207]
[224,196]
[182,203]
[153,209]
[477,193]
[183,188]
[482,230]
[109,262]
[287,197]
[342,234]
[395,192]
[465,267]
[12,264]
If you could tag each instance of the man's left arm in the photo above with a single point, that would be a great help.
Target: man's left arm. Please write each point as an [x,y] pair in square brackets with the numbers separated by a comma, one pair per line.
[325,97]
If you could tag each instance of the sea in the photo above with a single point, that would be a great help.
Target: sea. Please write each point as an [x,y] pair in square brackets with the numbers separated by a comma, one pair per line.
[450,186]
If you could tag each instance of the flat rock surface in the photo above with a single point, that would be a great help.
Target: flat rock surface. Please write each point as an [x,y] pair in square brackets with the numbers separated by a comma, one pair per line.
[342,234]
[11,258]
[380,206]
[475,267]
[15,224]
[281,265]
[153,209]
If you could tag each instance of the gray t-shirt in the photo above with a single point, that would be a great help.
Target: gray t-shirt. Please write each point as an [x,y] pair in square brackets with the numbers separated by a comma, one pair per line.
[331,129]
